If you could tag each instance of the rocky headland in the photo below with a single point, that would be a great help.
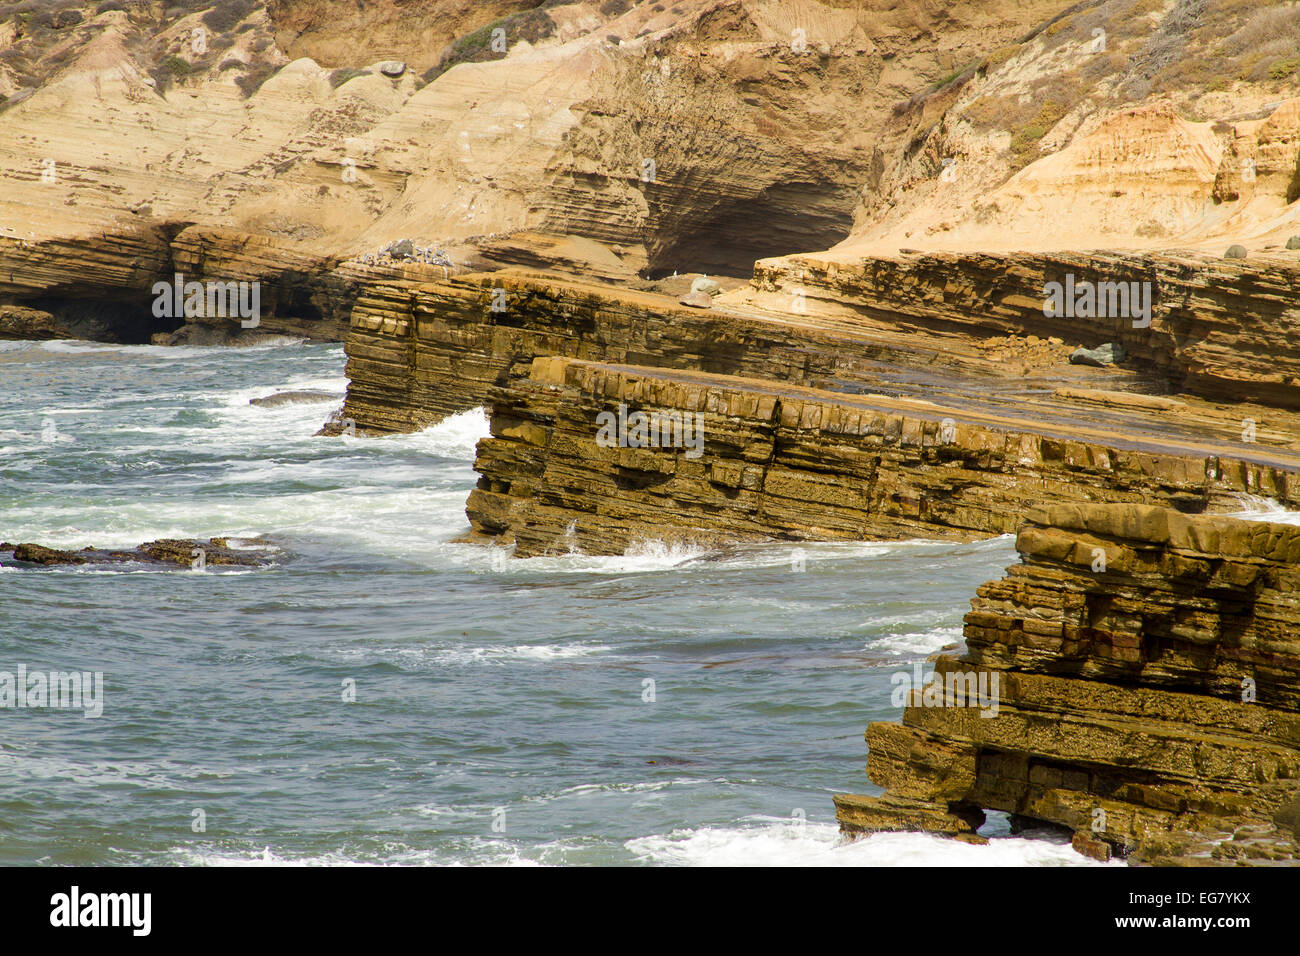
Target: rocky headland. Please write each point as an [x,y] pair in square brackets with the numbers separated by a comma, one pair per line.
[740,271]
[1145,666]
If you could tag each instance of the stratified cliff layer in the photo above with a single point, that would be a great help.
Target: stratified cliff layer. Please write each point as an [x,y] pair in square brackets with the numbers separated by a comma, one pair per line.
[761,461]
[102,285]
[1145,664]
[1219,328]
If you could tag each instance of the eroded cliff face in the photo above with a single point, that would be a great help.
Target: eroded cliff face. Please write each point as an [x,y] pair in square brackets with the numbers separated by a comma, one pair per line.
[1113,125]
[340,35]
[1209,326]
[745,460]
[1145,664]
[700,136]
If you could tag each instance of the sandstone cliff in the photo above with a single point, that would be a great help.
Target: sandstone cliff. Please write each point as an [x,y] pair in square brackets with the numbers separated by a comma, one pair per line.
[1146,701]
[778,462]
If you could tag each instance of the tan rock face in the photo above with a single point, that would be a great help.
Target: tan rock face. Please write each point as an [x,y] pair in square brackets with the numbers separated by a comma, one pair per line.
[742,460]
[338,34]
[1146,699]
[1090,132]
[1214,328]
[699,137]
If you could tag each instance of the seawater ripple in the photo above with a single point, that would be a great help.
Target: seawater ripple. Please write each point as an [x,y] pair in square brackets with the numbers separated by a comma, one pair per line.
[501,714]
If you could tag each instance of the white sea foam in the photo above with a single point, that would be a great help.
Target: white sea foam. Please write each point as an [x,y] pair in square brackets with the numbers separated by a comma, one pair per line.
[473,852]
[755,841]
[454,437]
[643,556]
[425,656]
[768,842]
[918,645]
[1265,509]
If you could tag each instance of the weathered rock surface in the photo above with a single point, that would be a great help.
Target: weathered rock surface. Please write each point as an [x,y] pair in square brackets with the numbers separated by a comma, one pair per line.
[308,396]
[1101,356]
[1148,700]
[180,552]
[762,461]
[1220,329]
[20,322]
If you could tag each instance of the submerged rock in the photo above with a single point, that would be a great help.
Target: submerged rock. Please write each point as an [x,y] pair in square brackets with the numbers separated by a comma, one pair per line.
[1101,356]
[212,333]
[176,552]
[307,396]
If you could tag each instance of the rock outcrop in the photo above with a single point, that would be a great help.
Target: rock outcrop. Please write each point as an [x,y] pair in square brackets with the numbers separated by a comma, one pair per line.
[1207,326]
[194,554]
[1143,666]
[724,459]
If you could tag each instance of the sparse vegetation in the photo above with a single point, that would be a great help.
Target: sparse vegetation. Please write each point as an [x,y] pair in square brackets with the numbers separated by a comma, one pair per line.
[475,47]
[343,74]
[1024,139]
[171,69]
[1281,69]
[256,75]
[227,14]
[998,57]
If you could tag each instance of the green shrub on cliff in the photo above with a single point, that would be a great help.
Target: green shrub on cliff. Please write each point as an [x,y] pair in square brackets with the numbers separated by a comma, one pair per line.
[475,47]
[169,70]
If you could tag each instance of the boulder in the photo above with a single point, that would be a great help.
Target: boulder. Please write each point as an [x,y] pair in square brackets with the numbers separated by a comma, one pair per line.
[706,285]
[697,299]
[1293,242]
[1235,252]
[401,249]
[1102,355]
[302,397]
[393,68]
[20,322]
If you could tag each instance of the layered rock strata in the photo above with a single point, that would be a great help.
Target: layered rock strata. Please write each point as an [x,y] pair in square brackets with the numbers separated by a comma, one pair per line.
[1217,328]
[419,351]
[968,329]
[742,460]
[1146,700]
[101,286]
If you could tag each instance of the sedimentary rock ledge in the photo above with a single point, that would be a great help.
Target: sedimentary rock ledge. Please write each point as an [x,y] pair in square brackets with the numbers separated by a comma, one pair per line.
[1144,664]
[1217,328]
[421,350]
[794,463]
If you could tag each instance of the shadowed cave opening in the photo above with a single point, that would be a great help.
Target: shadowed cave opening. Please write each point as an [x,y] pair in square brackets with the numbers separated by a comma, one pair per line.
[783,220]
